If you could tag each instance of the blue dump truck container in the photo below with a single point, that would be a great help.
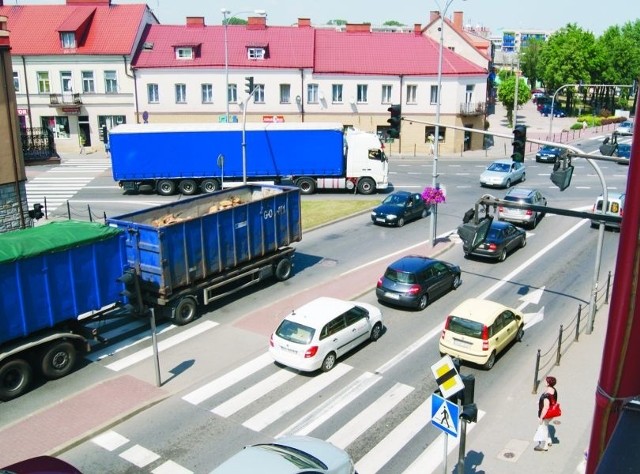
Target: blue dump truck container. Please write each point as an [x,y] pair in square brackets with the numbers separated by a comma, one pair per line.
[194,251]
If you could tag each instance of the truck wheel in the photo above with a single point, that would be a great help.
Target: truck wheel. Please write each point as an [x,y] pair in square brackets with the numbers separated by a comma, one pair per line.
[15,378]
[187,187]
[166,187]
[210,186]
[306,185]
[185,311]
[283,269]
[58,360]
[366,186]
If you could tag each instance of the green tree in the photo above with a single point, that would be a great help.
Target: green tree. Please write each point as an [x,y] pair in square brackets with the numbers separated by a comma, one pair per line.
[337,22]
[507,95]
[392,23]
[530,61]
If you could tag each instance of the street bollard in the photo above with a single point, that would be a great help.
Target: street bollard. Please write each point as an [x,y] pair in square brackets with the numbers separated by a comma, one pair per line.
[559,354]
[535,375]
[578,322]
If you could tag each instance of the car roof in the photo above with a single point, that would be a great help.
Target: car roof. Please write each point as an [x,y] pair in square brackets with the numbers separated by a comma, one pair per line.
[502,161]
[500,224]
[411,263]
[520,192]
[610,196]
[476,309]
[319,311]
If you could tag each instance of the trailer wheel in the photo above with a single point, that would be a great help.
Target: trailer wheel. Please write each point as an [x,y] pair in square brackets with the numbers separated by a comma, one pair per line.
[187,187]
[366,186]
[166,187]
[58,360]
[283,269]
[185,311]
[306,185]
[15,378]
[210,186]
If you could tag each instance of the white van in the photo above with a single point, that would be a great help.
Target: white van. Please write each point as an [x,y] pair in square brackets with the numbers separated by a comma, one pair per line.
[615,206]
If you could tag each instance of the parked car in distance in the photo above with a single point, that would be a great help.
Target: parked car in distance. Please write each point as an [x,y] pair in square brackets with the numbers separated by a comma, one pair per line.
[315,335]
[399,208]
[550,154]
[523,216]
[541,101]
[557,111]
[615,207]
[502,238]
[289,455]
[478,330]
[414,281]
[40,465]
[625,128]
[503,173]
[623,150]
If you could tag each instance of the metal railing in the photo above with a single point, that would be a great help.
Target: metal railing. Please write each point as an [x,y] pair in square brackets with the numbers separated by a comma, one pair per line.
[65,99]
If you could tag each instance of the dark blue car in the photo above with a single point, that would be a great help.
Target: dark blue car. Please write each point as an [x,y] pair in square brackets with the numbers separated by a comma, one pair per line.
[399,208]
[623,151]
[557,111]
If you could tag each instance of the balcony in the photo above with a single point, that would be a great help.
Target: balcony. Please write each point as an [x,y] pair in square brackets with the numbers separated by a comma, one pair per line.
[473,108]
[64,99]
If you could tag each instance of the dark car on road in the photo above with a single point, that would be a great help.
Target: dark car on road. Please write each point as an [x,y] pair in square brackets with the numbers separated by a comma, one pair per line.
[549,154]
[399,208]
[502,238]
[414,281]
[623,151]
[557,111]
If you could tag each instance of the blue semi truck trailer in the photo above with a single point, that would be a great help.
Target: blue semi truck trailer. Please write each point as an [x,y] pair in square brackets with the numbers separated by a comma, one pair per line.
[60,277]
[192,158]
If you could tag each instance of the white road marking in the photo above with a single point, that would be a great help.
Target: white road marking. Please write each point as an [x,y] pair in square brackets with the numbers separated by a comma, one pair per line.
[171,467]
[110,440]
[139,456]
[125,343]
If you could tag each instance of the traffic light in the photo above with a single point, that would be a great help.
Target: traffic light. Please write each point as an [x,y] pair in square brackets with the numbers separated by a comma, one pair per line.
[248,85]
[561,174]
[36,212]
[132,294]
[473,234]
[519,143]
[469,413]
[394,121]
[609,146]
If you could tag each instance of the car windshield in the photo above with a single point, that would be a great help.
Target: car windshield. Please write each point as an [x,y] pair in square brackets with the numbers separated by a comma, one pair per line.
[550,149]
[295,332]
[395,200]
[465,327]
[516,199]
[500,167]
[400,277]
[297,457]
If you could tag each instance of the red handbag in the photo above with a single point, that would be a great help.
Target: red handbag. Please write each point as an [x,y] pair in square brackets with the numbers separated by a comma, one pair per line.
[553,411]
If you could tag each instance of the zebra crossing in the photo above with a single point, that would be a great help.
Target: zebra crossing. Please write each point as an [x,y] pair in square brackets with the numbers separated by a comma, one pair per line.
[60,183]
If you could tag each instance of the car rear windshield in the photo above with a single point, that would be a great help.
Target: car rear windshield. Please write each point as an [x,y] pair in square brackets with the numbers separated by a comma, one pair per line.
[516,199]
[297,457]
[295,332]
[465,327]
[400,277]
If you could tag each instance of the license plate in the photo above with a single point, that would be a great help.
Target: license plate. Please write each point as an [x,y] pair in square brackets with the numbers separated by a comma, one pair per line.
[378,219]
[287,349]
[460,343]
[393,296]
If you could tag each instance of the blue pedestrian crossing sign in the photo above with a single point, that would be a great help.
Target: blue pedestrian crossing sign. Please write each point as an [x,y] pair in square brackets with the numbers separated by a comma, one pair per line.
[445,415]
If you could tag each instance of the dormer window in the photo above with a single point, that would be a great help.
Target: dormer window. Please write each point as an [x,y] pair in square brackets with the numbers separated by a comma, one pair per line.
[256,53]
[68,39]
[184,53]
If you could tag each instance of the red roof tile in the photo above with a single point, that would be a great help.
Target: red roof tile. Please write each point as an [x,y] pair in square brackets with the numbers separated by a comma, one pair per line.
[35,28]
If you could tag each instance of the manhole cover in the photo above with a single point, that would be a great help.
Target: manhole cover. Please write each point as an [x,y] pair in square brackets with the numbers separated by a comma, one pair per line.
[328,262]
[508,454]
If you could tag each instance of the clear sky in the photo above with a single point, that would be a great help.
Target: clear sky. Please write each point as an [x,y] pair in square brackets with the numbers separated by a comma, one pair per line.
[592,15]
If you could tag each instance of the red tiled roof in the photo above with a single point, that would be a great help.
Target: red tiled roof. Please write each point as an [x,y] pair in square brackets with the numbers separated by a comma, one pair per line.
[288,47]
[379,53]
[35,28]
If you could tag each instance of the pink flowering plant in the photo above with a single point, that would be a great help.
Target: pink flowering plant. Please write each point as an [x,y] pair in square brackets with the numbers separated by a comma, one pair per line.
[433,195]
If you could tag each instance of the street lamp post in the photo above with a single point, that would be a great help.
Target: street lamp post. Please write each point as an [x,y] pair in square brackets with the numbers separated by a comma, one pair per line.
[225,23]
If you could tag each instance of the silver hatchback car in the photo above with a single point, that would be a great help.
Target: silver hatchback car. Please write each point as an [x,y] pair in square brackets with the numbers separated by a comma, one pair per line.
[526,217]
[503,173]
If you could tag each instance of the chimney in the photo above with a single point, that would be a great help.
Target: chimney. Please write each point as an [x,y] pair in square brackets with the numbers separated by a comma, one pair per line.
[433,15]
[257,23]
[457,20]
[195,21]
[91,3]
[417,28]
[358,28]
[302,22]
[4,33]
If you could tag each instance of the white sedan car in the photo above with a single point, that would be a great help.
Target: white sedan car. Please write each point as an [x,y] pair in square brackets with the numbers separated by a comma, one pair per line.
[625,128]
[503,173]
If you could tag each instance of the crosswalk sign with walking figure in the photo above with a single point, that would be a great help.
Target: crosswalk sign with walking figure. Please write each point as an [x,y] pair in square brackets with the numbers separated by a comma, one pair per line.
[445,415]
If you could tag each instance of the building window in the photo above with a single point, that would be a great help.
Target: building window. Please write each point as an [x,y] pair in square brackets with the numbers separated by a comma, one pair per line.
[362,93]
[110,82]
[285,93]
[386,93]
[255,53]
[312,93]
[153,95]
[181,93]
[16,81]
[59,126]
[258,94]
[232,93]
[184,53]
[336,93]
[44,86]
[68,39]
[108,122]
[88,83]
[468,94]
[207,93]
[412,94]
[431,131]
[66,81]
[434,94]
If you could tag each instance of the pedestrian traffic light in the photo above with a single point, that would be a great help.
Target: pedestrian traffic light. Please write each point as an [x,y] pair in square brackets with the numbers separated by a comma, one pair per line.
[248,85]
[36,212]
[609,146]
[562,173]
[132,295]
[474,233]
[468,392]
[469,413]
[519,143]
[394,121]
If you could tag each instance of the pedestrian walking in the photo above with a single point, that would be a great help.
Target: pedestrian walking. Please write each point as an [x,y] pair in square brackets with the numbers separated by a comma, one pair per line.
[548,409]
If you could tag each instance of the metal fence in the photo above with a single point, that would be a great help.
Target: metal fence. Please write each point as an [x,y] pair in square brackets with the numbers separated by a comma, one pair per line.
[37,144]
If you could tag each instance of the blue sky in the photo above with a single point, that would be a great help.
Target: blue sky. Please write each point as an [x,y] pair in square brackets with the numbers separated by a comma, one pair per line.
[592,15]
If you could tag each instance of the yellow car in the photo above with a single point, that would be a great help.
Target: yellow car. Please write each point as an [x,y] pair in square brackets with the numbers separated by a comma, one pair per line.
[478,330]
